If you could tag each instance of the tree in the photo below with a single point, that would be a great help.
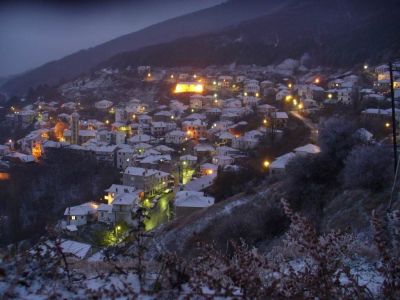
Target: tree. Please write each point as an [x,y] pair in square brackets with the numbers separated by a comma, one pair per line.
[337,138]
[368,167]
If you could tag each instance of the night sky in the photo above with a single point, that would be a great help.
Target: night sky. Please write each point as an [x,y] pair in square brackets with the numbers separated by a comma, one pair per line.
[35,32]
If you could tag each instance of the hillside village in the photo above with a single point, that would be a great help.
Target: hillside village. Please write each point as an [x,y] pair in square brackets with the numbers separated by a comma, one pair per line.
[169,155]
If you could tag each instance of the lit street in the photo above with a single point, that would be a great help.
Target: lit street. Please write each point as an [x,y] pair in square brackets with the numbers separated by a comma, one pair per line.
[161,212]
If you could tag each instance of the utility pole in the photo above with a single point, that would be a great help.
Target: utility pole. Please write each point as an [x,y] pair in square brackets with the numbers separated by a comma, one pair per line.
[394,125]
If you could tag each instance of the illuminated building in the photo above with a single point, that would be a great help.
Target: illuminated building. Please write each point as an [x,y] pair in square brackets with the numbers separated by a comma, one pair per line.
[4,176]
[189,87]
[36,150]
[195,129]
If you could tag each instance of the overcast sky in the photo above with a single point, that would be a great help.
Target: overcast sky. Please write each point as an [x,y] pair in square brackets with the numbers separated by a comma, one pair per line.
[35,32]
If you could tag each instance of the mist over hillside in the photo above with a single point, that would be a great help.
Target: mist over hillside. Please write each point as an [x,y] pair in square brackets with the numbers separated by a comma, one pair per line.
[332,32]
[208,20]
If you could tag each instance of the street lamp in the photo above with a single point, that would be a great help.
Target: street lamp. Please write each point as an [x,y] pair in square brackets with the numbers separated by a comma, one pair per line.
[266,164]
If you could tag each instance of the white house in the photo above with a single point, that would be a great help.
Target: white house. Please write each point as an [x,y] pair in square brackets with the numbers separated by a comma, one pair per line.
[223,160]
[104,213]
[80,214]
[116,189]
[175,137]
[103,104]
[188,159]
[148,180]
[125,157]
[278,166]
[186,202]
[307,149]
[140,138]
[344,96]
[124,205]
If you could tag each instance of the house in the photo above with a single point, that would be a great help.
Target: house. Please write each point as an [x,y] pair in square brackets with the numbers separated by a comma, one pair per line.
[144,119]
[225,150]
[75,249]
[175,137]
[201,183]
[124,205]
[104,213]
[245,142]
[125,156]
[203,149]
[265,109]
[225,138]
[164,149]
[383,115]
[158,129]
[79,215]
[196,101]
[365,135]
[307,149]
[147,180]
[103,104]
[278,166]
[249,140]
[195,129]
[104,154]
[281,119]
[344,96]
[140,138]
[188,160]
[163,116]
[187,202]
[116,189]
[223,160]
[155,160]
[83,135]
[208,169]
[213,112]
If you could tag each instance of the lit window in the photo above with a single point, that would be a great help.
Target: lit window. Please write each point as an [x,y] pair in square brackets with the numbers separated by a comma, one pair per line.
[73,218]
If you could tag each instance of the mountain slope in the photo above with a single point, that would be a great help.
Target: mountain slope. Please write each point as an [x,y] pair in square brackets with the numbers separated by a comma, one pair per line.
[341,33]
[208,20]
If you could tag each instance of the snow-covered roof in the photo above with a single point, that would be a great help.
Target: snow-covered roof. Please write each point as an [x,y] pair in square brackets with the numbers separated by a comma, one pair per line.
[152,159]
[119,188]
[81,210]
[200,183]
[188,157]
[78,249]
[203,148]
[164,149]
[193,199]
[208,166]
[105,207]
[178,133]
[140,138]
[281,161]
[126,199]
[309,148]
[281,115]
[225,135]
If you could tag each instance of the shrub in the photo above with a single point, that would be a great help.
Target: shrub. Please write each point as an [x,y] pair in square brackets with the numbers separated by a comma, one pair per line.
[337,138]
[307,178]
[368,167]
